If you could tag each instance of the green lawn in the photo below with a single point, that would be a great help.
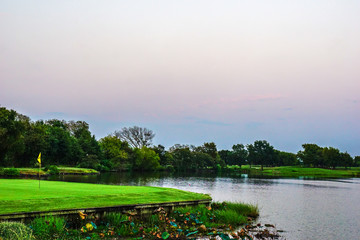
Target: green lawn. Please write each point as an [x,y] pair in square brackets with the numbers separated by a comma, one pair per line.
[294,171]
[17,195]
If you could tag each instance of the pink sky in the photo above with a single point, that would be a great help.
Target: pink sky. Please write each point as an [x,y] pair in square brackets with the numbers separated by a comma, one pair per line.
[193,71]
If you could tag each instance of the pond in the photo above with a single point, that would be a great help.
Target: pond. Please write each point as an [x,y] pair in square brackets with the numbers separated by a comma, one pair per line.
[303,208]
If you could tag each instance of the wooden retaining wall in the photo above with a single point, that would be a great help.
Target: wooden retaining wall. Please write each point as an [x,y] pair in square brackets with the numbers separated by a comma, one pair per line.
[138,209]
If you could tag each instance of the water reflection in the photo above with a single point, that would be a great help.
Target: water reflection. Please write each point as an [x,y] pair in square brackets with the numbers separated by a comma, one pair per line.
[304,208]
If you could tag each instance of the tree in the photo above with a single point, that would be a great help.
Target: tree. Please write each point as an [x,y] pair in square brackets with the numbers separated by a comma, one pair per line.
[331,156]
[311,155]
[11,129]
[34,142]
[346,160]
[165,157]
[261,153]
[115,152]
[227,156]
[287,158]
[210,149]
[200,160]
[357,161]
[182,157]
[240,154]
[87,142]
[137,137]
[63,148]
[145,159]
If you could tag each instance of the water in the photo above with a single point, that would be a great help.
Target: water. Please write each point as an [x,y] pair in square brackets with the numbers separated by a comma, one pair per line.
[304,209]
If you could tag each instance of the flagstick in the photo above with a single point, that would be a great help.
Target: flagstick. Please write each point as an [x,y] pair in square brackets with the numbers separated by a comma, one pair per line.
[39,174]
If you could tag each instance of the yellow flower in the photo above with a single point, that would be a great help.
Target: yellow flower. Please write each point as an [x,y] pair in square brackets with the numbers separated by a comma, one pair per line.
[89,226]
[82,215]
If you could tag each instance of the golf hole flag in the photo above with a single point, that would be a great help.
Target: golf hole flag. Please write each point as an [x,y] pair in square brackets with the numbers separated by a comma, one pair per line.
[39,158]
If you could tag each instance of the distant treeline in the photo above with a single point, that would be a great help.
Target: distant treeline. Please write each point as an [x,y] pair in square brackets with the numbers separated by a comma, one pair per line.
[71,143]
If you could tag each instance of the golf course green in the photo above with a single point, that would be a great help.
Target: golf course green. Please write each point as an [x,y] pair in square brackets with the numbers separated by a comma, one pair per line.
[19,195]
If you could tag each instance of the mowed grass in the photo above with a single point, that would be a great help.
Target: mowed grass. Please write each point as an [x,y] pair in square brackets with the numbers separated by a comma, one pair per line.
[17,195]
[294,171]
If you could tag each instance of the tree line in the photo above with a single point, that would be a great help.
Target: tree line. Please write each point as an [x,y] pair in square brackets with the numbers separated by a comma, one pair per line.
[71,143]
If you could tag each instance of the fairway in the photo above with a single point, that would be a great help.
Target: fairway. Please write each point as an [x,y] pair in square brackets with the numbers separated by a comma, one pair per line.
[17,195]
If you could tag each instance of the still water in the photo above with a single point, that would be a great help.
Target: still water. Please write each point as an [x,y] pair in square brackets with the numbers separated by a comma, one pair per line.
[304,209]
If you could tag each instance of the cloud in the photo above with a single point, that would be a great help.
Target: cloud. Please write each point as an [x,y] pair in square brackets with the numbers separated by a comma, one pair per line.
[205,121]
[253,125]
[262,98]
[55,115]
[216,123]
[231,102]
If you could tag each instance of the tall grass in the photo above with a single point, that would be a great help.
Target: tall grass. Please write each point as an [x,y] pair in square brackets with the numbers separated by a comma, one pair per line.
[49,227]
[15,231]
[231,217]
[233,213]
[115,219]
[243,208]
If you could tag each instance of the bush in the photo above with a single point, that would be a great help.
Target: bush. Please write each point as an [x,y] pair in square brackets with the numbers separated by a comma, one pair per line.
[89,161]
[15,231]
[53,170]
[11,172]
[107,163]
[170,168]
[218,168]
[115,219]
[102,168]
[48,228]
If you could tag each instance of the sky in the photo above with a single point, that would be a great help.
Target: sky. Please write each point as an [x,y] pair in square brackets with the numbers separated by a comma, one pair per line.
[199,71]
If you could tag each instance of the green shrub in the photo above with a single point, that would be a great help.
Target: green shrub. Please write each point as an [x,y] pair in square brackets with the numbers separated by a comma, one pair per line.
[15,231]
[170,168]
[218,168]
[1,171]
[11,172]
[115,219]
[53,170]
[48,228]
[89,161]
[153,220]
[107,164]
[102,168]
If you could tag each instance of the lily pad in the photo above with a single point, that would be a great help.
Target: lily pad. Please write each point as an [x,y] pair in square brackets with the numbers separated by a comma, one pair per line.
[165,235]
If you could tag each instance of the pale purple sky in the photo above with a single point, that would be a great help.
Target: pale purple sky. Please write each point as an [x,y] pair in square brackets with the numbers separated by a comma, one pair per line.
[193,71]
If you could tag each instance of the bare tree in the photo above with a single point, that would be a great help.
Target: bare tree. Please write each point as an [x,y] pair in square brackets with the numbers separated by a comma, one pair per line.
[137,137]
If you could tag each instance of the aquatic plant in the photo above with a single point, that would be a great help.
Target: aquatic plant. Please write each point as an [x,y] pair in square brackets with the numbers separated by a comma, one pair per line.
[218,220]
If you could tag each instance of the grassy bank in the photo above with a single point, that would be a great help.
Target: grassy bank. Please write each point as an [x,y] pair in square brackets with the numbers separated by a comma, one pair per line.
[73,170]
[18,195]
[45,171]
[295,172]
